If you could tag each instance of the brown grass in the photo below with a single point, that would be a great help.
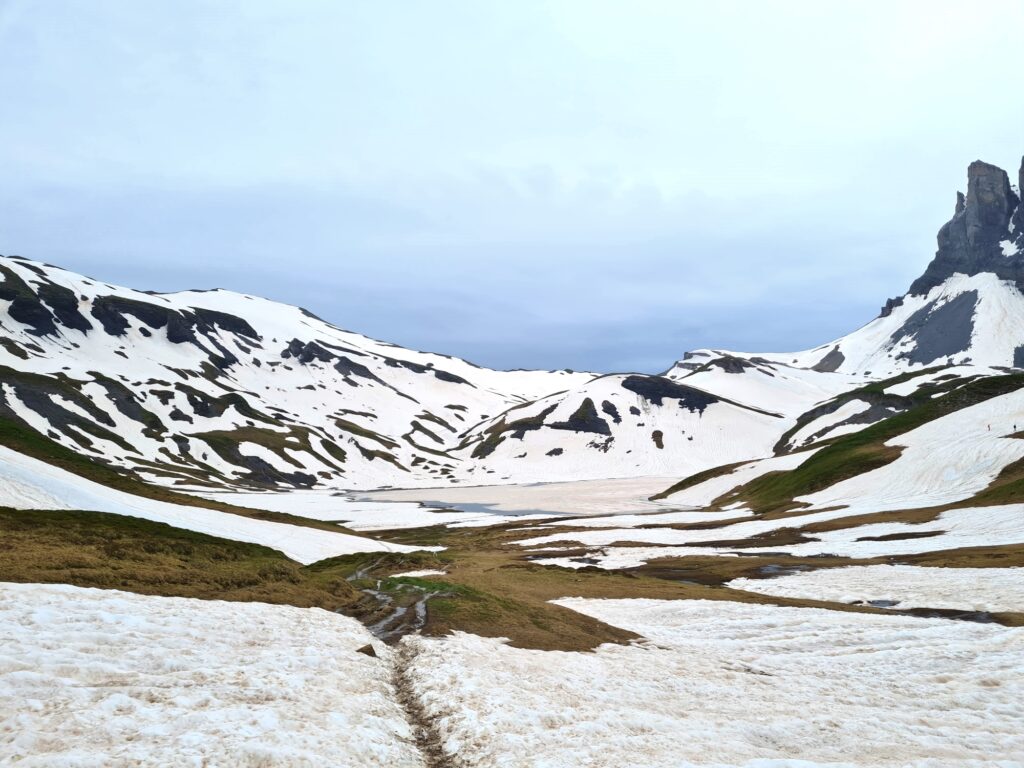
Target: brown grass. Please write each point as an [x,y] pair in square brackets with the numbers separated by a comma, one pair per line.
[94,549]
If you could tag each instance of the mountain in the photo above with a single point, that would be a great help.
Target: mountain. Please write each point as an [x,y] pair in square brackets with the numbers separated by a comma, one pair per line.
[214,387]
[219,389]
[964,315]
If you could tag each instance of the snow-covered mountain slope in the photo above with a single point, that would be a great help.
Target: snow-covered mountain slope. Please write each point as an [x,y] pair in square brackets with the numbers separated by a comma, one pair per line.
[202,387]
[967,307]
[618,426]
[218,389]
[964,318]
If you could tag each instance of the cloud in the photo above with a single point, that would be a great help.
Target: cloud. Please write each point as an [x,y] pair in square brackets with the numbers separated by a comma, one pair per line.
[554,184]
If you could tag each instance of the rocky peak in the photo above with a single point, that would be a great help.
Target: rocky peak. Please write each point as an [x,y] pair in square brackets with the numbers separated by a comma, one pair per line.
[1018,219]
[984,230]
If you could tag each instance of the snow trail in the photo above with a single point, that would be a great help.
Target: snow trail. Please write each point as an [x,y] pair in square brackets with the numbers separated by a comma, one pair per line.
[425,731]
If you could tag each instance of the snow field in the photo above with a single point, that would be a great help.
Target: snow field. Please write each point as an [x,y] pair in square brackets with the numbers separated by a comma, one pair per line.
[969,589]
[98,678]
[729,684]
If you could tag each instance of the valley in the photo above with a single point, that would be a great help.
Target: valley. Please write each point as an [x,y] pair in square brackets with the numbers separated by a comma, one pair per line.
[228,527]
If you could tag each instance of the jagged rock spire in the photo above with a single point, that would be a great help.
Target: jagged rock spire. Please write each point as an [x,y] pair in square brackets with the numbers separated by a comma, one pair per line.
[986,225]
[1018,219]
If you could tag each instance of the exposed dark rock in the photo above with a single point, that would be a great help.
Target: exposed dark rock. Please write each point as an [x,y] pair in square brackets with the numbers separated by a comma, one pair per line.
[64,304]
[306,353]
[731,364]
[554,452]
[517,429]
[969,243]
[611,410]
[830,362]
[890,305]
[36,392]
[939,331]
[1018,357]
[209,407]
[127,403]
[655,389]
[692,361]
[1018,217]
[206,320]
[182,327]
[163,395]
[371,454]
[658,438]
[347,367]
[584,419]
[25,305]
[13,348]
[451,378]
[111,311]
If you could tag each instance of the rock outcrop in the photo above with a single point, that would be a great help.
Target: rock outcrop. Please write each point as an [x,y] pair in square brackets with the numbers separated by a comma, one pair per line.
[984,234]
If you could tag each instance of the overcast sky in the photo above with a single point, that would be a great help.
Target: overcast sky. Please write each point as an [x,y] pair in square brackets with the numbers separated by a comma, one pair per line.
[585,184]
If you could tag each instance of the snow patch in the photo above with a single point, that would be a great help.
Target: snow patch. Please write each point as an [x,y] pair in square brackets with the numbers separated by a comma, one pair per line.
[968,589]
[727,684]
[94,678]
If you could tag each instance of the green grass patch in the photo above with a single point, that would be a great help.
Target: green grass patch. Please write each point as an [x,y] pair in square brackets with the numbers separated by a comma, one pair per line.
[697,479]
[862,451]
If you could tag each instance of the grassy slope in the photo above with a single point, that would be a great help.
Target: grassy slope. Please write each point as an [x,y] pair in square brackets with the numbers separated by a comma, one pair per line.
[862,451]
[499,593]
[866,392]
[95,549]
[492,589]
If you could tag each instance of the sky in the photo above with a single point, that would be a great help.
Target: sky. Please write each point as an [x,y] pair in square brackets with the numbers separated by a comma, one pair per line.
[576,184]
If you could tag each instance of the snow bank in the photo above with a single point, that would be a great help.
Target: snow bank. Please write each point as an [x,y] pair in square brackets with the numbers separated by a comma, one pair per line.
[727,684]
[101,678]
[953,529]
[26,483]
[969,589]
